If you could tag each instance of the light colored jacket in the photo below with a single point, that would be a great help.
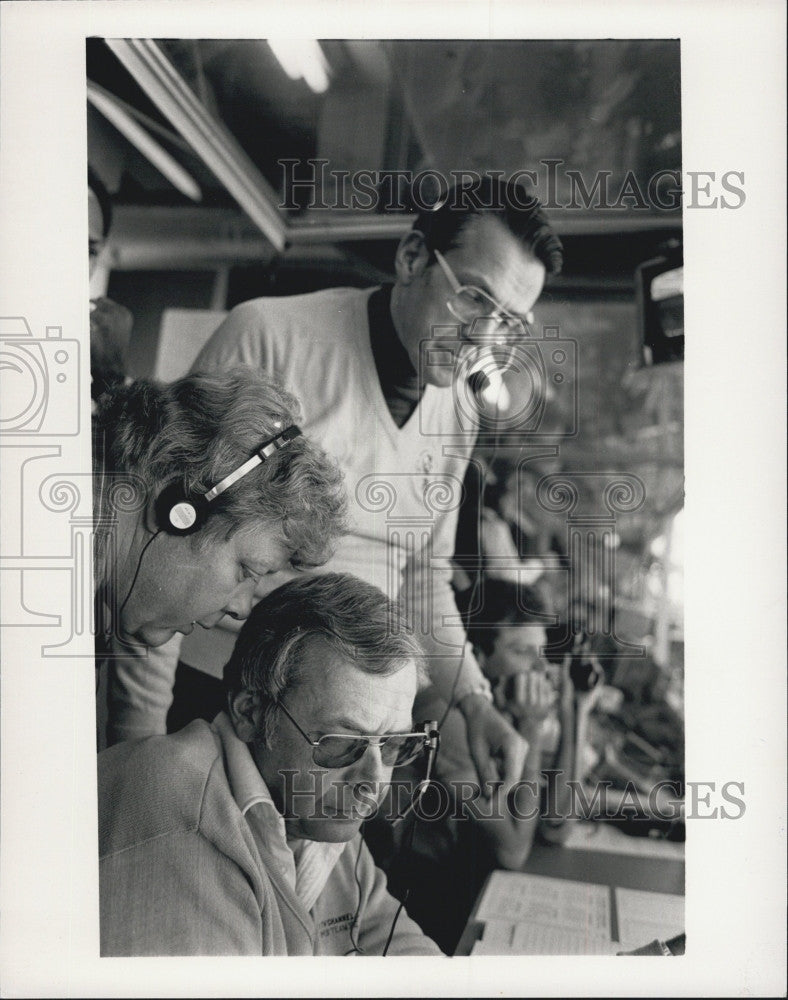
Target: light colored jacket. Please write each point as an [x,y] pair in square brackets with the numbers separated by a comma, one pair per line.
[188,868]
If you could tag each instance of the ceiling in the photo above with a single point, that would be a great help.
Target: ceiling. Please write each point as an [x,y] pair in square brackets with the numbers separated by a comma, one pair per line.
[610,106]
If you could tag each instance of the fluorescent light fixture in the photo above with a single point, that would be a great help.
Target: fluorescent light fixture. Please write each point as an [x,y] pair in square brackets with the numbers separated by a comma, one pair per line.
[208,137]
[104,102]
[302,58]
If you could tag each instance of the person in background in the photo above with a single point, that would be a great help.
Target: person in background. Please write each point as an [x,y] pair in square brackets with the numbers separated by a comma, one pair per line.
[241,837]
[508,634]
[110,323]
[377,371]
[637,743]
[156,446]
[507,535]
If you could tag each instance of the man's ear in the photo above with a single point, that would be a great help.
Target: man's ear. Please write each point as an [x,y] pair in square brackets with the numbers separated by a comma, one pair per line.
[245,713]
[412,257]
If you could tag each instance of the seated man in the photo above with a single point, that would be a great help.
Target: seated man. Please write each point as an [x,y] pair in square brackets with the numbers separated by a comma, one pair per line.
[242,837]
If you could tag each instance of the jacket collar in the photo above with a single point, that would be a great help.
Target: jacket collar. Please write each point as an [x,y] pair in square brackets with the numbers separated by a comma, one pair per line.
[305,864]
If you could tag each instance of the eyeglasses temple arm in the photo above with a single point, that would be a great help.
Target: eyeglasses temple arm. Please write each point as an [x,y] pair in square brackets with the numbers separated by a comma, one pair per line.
[450,275]
[312,743]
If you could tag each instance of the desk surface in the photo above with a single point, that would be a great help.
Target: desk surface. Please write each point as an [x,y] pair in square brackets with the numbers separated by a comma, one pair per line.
[600,867]
[606,868]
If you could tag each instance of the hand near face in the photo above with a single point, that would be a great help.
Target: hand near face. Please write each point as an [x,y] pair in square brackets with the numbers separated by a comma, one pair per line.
[533,699]
[497,750]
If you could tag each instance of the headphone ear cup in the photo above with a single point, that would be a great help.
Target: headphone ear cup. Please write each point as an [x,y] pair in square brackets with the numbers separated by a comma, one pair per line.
[178,513]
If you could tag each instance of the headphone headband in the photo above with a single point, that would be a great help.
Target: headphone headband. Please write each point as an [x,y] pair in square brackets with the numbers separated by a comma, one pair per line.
[266,450]
[181,514]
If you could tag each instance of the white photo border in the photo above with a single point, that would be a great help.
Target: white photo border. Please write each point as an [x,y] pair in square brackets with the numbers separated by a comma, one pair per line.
[733,118]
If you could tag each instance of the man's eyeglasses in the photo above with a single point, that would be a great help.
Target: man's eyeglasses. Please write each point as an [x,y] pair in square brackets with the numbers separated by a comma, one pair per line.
[335,750]
[468,303]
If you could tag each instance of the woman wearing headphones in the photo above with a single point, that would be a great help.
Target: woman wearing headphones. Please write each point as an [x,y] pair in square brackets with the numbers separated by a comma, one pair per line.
[201,487]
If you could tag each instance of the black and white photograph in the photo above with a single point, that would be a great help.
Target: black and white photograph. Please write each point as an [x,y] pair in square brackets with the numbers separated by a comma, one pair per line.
[363,515]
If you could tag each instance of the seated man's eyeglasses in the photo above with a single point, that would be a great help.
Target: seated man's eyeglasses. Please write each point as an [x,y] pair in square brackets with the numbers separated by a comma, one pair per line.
[469,302]
[334,750]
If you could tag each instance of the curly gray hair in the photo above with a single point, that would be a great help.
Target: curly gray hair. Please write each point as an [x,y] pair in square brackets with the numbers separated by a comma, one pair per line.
[198,429]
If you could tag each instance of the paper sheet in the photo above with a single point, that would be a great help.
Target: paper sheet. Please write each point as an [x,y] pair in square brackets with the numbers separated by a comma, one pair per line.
[500,938]
[643,916]
[548,902]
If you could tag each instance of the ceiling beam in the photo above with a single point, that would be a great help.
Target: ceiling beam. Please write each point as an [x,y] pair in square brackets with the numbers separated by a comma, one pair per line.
[209,138]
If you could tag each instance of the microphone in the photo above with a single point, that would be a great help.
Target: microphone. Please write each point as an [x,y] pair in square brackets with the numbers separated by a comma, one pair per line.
[478,382]
[433,742]
[485,380]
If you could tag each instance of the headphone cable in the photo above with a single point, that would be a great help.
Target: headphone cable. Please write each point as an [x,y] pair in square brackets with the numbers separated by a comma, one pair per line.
[356,949]
[407,848]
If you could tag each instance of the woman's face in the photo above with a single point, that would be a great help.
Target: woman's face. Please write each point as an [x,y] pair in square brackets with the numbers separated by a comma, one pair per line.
[186,581]
[516,650]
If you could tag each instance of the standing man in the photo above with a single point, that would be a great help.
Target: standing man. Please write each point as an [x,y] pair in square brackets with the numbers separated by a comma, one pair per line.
[376,370]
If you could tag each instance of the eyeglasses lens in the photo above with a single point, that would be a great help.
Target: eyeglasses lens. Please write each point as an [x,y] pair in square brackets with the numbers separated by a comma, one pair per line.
[341,751]
[471,304]
[401,749]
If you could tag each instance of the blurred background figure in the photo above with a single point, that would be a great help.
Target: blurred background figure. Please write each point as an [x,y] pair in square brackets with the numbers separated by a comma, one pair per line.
[110,323]
[508,634]
[502,531]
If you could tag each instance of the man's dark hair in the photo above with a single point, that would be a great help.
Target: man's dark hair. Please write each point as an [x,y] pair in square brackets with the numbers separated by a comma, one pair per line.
[501,603]
[512,203]
[96,185]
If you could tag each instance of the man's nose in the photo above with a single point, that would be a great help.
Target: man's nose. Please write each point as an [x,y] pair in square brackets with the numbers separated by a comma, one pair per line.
[371,769]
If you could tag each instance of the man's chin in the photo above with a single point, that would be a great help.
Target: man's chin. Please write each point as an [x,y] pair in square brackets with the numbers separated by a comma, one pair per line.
[331,830]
